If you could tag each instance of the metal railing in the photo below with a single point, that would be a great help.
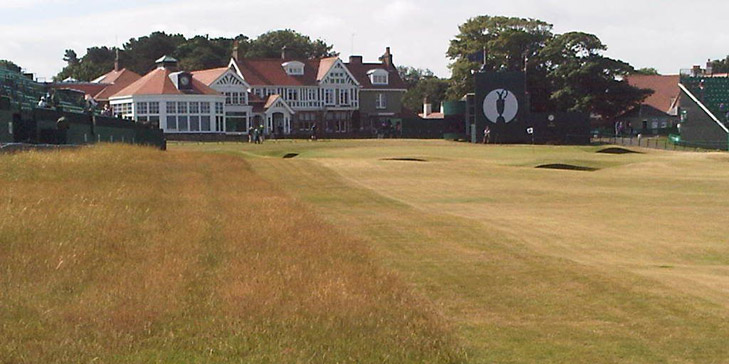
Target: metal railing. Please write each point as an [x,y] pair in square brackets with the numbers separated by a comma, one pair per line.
[662,143]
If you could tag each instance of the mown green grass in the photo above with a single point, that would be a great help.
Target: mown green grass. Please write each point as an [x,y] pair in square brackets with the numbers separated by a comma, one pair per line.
[535,265]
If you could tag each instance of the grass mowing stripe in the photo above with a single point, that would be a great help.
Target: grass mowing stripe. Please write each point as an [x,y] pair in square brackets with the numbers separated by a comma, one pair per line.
[510,303]
[126,254]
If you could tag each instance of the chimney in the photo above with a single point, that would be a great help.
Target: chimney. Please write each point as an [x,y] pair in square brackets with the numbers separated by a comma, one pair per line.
[387,58]
[696,71]
[235,50]
[116,61]
[283,52]
[355,59]
[709,67]
[427,108]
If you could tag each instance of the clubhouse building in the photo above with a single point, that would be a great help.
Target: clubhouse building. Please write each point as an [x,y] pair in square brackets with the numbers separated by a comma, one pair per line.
[285,96]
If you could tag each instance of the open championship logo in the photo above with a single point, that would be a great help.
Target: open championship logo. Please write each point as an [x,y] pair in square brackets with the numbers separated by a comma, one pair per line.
[500,106]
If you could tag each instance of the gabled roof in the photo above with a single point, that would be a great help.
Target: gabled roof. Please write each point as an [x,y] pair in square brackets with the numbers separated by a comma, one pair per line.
[359,70]
[157,82]
[665,90]
[119,80]
[210,75]
[120,75]
[273,99]
[269,72]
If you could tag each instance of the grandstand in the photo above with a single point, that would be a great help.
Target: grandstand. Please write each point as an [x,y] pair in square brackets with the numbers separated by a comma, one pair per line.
[25,93]
[705,108]
[23,122]
[712,91]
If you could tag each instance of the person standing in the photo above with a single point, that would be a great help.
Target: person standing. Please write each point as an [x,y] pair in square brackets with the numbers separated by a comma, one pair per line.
[256,136]
[486,135]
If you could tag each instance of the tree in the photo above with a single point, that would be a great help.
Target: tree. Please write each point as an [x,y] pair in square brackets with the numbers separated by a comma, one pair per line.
[563,72]
[139,54]
[431,89]
[646,71]
[70,57]
[96,62]
[581,79]
[493,43]
[269,45]
[9,65]
[412,75]
[422,84]
[201,53]
[720,65]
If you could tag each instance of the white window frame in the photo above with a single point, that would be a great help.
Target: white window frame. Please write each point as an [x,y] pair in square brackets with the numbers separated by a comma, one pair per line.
[381,101]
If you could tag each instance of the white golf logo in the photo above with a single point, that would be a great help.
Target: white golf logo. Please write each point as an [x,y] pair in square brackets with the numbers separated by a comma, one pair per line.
[500,106]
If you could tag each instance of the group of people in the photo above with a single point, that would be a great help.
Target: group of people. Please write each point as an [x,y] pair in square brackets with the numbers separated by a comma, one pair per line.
[388,130]
[623,128]
[49,100]
[255,134]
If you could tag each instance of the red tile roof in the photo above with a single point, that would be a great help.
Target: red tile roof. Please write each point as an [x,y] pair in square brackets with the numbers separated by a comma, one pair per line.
[158,82]
[114,75]
[271,100]
[119,80]
[359,70]
[269,72]
[209,76]
[665,90]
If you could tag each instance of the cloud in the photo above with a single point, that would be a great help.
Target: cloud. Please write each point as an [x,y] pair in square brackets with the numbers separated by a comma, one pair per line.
[643,33]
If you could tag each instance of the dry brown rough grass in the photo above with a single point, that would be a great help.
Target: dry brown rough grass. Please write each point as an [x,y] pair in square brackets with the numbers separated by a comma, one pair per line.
[126,254]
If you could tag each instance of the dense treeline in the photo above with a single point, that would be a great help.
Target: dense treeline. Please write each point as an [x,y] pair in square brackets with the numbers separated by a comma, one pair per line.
[199,52]
[565,72]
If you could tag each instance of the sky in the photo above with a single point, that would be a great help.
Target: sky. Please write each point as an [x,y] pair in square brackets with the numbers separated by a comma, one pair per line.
[668,34]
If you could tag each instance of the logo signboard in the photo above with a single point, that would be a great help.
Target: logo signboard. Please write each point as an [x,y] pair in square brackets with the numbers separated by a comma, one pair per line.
[501,104]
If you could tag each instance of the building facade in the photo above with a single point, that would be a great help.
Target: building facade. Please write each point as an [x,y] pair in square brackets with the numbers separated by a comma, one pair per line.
[172,99]
[305,93]
[283,96]
[381,92]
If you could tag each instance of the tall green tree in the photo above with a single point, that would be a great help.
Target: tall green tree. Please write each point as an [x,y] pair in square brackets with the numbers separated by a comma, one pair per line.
[412,75]
[422,85]
[199,52]
[582,79]
[96,62]
[493,43]
[269,45]
[563,72]
[140,53]
[646,71]
[431,89]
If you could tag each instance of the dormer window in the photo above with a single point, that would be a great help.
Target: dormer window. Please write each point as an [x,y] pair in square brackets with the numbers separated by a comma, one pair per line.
[293,68]
[378,77]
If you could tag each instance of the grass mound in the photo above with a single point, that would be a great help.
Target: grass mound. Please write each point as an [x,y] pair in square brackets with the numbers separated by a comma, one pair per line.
[405,159]
[567,167]
[617,150]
